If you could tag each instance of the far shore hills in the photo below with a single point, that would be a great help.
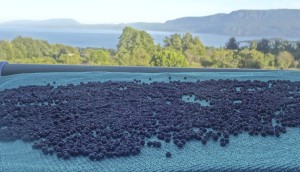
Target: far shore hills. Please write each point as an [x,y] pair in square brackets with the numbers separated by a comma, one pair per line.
[262,23]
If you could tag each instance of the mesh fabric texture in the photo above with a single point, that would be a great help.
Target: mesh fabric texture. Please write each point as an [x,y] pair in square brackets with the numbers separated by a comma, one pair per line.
[244,153]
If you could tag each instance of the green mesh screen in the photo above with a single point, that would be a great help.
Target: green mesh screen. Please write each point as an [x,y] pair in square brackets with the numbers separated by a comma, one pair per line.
[244,153]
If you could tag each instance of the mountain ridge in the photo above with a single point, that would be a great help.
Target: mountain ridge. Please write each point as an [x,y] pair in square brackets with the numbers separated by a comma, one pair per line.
[274,22]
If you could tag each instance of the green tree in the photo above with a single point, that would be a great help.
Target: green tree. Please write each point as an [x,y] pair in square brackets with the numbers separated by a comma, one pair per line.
[69,59]
[279,46]
[255,59]
[187,41]
[298,45]
[6,50]
[253,45]
[232,44]
[193,49]
[284,60]
[169,58]
[174,41]
[43,60]
[270,61]
[122,57]
[29,48]
[264,46]
[97,57]
[225,59]
[190,46]
[140,57]
[131,43]
[297,51]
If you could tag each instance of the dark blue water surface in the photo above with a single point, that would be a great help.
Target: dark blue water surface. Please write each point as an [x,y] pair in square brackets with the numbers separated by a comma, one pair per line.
[103,38]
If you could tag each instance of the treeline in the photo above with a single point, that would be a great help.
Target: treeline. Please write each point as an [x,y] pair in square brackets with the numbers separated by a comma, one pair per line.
[137,48]
[28,50]
[280,54]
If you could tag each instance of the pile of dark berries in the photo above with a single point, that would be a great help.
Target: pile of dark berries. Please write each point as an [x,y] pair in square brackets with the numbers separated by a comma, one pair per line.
[114,119]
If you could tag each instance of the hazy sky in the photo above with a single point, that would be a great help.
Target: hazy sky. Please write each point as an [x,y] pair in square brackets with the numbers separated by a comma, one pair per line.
[124,11]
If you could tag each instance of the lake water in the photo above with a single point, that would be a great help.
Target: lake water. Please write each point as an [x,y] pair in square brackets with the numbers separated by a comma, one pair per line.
[103,38]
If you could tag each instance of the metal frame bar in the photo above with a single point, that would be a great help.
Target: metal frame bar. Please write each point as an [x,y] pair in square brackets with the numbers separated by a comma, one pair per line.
[12,69]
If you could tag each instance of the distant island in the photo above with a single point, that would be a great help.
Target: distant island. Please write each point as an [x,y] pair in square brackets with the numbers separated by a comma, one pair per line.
[279,23]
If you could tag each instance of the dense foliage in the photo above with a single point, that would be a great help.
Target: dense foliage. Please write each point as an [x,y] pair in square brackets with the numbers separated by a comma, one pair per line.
[232,44]
[169,58]
[137,48]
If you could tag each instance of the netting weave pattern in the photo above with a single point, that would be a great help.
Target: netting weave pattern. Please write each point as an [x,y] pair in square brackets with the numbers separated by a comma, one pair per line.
[244,153]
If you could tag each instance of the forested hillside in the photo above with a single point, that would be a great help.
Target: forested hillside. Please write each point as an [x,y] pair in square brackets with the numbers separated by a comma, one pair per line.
[274,23]
[261,23]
